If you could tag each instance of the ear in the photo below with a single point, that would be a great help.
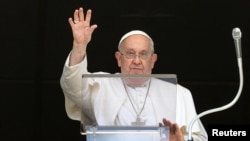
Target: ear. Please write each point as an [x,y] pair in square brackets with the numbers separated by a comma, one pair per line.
[153,60]
[118,58]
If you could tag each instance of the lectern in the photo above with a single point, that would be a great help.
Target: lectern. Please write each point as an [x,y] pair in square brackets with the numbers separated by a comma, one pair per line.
[109,93]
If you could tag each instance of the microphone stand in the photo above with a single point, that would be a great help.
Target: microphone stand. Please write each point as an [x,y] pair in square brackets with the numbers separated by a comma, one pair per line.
[239,59]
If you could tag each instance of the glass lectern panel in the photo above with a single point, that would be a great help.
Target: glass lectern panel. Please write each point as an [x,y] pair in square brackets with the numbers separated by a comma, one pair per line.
[118,107]
[126,133]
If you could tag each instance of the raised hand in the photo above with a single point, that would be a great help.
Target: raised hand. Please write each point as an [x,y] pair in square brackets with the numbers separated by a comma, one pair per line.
[82,33]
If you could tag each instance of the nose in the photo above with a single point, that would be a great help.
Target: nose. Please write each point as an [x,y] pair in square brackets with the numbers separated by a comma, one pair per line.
[137,60]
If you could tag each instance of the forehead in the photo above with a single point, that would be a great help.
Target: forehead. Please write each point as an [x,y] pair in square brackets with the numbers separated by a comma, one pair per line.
[136,42]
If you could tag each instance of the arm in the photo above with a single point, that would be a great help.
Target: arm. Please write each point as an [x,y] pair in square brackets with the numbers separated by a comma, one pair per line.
[76,63]
[70,82]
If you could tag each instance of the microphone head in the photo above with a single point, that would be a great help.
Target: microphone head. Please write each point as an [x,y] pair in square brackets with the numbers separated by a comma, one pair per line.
[236,33]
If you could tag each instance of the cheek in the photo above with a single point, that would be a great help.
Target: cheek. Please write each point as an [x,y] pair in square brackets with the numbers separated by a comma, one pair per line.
[124,65]
[148,66]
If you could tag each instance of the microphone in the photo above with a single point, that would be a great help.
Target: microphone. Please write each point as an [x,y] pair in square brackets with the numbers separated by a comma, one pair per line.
[236,36]
[237,41]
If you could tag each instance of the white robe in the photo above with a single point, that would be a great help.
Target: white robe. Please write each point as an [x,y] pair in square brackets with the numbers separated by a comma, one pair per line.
[98,108]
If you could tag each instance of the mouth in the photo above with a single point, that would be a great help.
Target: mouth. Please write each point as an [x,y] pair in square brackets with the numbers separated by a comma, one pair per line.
[136,70]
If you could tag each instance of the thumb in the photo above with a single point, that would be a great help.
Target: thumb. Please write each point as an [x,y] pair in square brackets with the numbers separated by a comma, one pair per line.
[92,28]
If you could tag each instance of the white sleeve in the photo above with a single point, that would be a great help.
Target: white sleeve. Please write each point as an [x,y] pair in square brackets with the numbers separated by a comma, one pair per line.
[185,112]
[71,85]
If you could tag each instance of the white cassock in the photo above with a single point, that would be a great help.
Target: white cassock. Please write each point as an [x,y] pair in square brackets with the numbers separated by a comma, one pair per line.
[106,102]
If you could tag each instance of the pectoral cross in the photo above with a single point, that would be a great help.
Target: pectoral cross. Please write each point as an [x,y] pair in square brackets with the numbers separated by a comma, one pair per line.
[138,122]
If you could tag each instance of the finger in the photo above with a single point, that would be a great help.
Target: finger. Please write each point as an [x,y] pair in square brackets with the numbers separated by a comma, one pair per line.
[174,127]
[170,125]
[93,27]
[88,16]
[76,16]
[81,14]
[166,122]
[71,22]
[177,129]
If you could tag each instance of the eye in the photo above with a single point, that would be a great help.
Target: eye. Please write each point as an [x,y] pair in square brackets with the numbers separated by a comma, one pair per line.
[130,52]
[144,54]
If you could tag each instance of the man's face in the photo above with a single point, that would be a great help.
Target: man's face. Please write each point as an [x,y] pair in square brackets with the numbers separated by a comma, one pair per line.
[136,56]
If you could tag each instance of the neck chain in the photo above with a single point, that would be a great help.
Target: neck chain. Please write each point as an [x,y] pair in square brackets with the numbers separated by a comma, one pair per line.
[138,121]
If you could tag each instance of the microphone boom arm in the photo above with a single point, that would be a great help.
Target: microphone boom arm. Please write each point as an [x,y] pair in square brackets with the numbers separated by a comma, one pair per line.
[239,59]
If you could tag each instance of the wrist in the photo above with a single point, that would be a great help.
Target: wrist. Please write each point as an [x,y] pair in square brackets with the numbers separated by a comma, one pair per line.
[76,57]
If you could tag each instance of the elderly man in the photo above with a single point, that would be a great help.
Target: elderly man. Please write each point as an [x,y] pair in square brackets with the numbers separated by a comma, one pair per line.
[135,55]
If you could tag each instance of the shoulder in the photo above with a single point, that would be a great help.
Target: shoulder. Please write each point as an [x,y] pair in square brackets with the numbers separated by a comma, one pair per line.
[183,89]
[184,93]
